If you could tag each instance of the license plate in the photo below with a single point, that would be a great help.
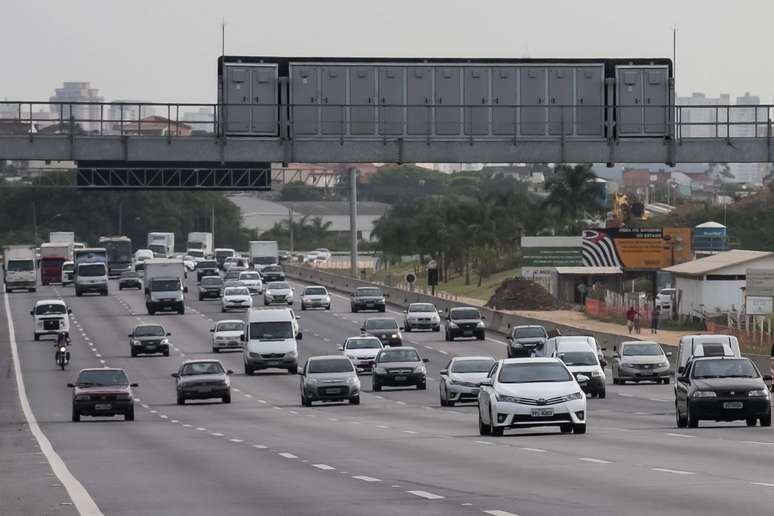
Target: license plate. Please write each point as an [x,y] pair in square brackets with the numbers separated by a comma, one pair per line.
[369,305]
[542,412]
[204,389]
[150,346]
[273,363]
[400,378]
[731,405]
[103,406]
[468,332]
[334,390]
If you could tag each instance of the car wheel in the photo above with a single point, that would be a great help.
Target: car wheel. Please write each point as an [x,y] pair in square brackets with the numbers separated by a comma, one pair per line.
[249,370]
[422,386]
[303,307]
[682,422]
[216,350]
[227,398]
[450,403]
[265,303]
[665,381]
[407,328]
[129,416]
[766,420]
[383,309]
[436,329]
[497,431]
[444,403]
[355,400]
[579,428]
[166,353]
[76,416]
[483,429]
[482,336]
[305,402]
[693,422]
[180,400]
[328,307]
[201,298]
[293,370]
[751,421]
[616,381]
[601,394]
[565,428]
[120,287]
[134,353]
[376,387]
[354,310]
[37,337]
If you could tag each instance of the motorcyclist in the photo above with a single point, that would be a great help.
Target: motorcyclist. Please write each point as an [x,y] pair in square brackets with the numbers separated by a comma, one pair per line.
[63,340]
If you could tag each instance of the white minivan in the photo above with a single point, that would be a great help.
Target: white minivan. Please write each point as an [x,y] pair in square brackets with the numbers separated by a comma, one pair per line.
[705,346]
[270,341]
[582,358]
[550,347]
[50,317]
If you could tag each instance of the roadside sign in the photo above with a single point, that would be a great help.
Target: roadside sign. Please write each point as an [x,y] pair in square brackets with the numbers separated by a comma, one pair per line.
[410,278]
[759,305]
[760,282]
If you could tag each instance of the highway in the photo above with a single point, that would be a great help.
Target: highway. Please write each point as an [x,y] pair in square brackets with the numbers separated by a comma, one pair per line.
[398,453]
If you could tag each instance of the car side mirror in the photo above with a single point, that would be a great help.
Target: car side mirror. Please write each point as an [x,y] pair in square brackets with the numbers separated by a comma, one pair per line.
[680,369]
[582,378]
[616,355]
[242,337]
[70,385]
[175,375]
[340,347]
[509,326]
[405,311]
[300,336]
[362,328]
[134,385]
[486,382]
[401,328]
[169,334]
[683,379]
[767,378]
[297,316]
[444,372]
[603,349]
[212,330]
[509,337]
[426,360]
[483,317]
[603,362]
[69,310]
[301,372]
[669,354]
[130,335]
[229,371]
[386,295]
[32,312]
[185,289]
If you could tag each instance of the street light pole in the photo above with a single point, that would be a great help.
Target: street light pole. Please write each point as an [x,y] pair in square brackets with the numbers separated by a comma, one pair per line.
[353,221]
[34,223]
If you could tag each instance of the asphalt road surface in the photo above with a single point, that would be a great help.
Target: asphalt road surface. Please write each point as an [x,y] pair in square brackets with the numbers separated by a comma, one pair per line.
[398,453]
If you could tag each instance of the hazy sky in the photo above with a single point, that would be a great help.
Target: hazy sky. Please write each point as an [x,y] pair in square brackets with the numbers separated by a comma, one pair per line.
[166,50]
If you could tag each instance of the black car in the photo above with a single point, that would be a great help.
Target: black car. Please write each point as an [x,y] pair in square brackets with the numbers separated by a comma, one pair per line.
[526,340]
[721,389]
[102,392]
[398,368]
[384,329]
[368,298]
[283,255]
[465,322]
[149,339]
[206,268]
[211,286]
[272,273]
[129,279]
[201,380]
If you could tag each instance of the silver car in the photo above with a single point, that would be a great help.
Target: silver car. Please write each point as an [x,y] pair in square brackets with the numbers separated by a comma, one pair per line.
[278,292]
[639,360]
[461,378]
[362,351]
[329,378]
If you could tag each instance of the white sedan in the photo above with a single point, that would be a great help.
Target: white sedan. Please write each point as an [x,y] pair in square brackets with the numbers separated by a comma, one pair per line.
[236,298]
[528,392]
[315,297]
[422,316]
[227,334]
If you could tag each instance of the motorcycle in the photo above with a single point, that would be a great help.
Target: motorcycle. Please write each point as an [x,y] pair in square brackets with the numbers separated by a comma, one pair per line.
[62,354]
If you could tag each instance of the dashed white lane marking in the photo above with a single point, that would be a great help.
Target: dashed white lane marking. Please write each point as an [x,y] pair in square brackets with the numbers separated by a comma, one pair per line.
[626,395]
[366,479]
[216,434]
[382,427]
[323,467]
[443,352]
[261,401]
[163,416]
[500,513]
[680,435]
[260,446]
[658,399]
[236,441]
[187,426]
[425,494]
[482,442]
[536,450]
[98,355]
[764,484]
[235,389]
[174,421]
[201,429]
[287,455]
[412,432]
[144,405]
[595,461]
[332,419]
[428,347]
[672,471]
[401,402]
[246,395]
[101,361]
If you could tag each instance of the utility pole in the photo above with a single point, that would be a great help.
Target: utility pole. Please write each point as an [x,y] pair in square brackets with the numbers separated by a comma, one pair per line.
[34,223]
[291,230]
[212,224]
[353,221]
[120,217]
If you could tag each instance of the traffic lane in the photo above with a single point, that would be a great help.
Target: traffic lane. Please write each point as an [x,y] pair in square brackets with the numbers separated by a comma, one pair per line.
[27,482]
[111,326]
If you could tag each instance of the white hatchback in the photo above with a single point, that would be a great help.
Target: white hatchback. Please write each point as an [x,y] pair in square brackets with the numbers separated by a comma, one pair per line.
[315,297]
[528,392]
[236,298]
[228,334]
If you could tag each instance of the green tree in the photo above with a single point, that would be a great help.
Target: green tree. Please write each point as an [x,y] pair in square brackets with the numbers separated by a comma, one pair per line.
[573,194]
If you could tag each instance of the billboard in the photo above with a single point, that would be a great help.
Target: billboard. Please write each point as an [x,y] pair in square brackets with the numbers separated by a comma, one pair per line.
[760,282]
[551,252]
[636,248]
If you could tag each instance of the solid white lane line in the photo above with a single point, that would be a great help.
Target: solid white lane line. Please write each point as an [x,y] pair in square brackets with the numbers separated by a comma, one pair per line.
[595,461]
[672,471]
[287,455]
[763,484]
[259,446]
[482,442]
[216,434]
[670,434]
[425,494]
[536,450]
[201,429]
[412,432]
[625,395]
[500,513]
[659,400]
[401,402]
[83,501]
[323,467]
[236,441]
[366,479]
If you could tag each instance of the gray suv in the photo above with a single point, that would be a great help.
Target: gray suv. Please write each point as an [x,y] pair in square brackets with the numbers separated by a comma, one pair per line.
[526,340]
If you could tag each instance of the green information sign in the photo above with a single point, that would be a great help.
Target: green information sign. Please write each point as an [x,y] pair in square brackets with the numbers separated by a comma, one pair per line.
[551,257]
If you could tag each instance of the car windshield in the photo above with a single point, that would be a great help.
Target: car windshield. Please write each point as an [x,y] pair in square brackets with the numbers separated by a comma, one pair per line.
[195,368]
[50,309]
[237,291]
[208,265]
[129,274]
[264,260]
[165,285]
[472,366]
[149,331]
[633,350]
[399,355]
[421,307]
[102,377]
[230,326]
[578,358]
[68,267]
[249,276]
[212,281]
[369,292]
[273,330]
[724,368]
[534,373]
[315,291]
[364,344]
[195,254]
[21,266]
[90,270]
[279,285]
[330,365]
[529,333]
[272,268]
[381,324]
[467,313]
[232,275]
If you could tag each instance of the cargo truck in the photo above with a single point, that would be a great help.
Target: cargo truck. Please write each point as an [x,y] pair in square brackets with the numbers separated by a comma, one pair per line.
[199,245]
[162,244]
[20,271]
[119,254]
[61,237]
[91,271]
[53,255]
[164,282]
[263,253]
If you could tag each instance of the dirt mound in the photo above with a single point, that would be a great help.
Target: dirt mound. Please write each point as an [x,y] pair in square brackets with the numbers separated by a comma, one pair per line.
[521,294]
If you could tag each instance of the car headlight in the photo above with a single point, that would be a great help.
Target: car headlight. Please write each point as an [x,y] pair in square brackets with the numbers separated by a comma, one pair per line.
[575,396]
[661,364]
[82,397]
[327,299]
[480,324]
[394,336]
[255,355]
[135,342]
[452,325]
[508,399]
[165,341]
[420,369]
[353,381]
[312,380]
[268,295]
[704,394]
[380,370]
[122,397]
[759,393]
[597,373]
[292,354]
[352,357]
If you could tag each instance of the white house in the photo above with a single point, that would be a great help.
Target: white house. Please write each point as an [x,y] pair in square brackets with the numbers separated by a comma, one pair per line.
[714,284]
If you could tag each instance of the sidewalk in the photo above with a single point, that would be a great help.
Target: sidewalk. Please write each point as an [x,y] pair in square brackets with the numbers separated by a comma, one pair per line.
[581,321]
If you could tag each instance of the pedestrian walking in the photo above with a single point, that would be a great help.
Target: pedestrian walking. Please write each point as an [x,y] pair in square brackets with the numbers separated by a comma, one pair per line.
[637,322]
[630,313]
[655,315]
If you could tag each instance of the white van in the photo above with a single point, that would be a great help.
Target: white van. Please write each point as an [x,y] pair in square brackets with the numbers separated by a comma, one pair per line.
[581,359]
[705,346]
[50,316]
[549,350]
[270,341]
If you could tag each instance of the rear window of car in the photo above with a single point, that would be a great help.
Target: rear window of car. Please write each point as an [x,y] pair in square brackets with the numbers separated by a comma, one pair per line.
[472,366]
[278,285]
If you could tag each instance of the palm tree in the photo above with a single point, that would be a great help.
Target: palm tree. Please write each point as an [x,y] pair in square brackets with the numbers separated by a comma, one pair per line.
[573,192]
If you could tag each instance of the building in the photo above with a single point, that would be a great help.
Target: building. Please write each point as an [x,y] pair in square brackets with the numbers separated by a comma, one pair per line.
[699,119]
[127,111]
[87,114]
[154,126]
[202,120]
[748,122]
[714,284]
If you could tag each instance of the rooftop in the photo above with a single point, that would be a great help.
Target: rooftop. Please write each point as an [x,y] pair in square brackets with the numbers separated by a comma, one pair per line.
[717,261]
[588,270]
